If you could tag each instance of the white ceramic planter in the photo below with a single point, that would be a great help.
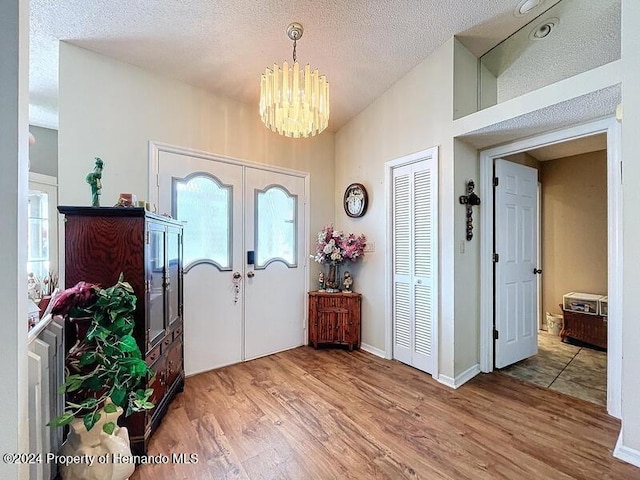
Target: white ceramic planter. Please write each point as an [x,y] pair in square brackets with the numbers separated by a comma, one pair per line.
[96,452]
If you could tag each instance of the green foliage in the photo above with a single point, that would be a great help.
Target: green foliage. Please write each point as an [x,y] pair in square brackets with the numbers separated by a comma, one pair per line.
[108,428]
[112,365]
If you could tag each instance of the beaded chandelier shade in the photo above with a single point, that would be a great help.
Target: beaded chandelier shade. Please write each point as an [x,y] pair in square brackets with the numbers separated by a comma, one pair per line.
[294,101]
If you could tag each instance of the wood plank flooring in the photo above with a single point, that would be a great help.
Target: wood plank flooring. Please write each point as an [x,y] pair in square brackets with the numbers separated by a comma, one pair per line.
[324,414]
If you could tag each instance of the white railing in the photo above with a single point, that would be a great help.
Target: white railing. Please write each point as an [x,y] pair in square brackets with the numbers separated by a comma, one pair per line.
[46,374]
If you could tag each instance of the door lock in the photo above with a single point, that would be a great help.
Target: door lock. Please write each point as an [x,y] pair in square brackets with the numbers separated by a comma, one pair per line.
[237,277]
[251,274]
[537,271]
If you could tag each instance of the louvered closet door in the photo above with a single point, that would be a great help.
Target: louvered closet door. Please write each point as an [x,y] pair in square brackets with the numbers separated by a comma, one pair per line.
[414,263]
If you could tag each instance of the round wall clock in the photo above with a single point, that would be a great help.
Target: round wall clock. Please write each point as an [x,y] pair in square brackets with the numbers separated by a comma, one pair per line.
[355,200]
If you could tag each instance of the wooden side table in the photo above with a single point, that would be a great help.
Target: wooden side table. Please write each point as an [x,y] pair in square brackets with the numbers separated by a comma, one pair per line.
[334,318]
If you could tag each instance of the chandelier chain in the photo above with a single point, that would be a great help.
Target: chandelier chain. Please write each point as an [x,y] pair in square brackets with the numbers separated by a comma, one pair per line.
[294,50]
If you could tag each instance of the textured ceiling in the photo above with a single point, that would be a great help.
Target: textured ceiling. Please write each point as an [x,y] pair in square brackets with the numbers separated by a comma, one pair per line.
[586,108]
[363,46]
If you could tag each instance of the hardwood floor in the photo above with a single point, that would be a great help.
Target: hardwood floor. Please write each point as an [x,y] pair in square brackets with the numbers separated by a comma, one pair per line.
[321,414]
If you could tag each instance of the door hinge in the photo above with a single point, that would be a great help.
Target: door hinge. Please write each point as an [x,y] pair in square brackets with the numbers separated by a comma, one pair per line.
[146,237]
[496,335]
[496,181]
[157,179]
[496,258]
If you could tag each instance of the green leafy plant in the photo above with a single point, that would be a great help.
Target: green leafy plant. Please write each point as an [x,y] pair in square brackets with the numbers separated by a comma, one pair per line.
[105,369]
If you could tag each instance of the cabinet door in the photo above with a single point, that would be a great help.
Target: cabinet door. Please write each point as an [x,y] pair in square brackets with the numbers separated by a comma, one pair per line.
[173,280]
[155,284]
[174,362]
[343,328]
[158,382]
[327,322]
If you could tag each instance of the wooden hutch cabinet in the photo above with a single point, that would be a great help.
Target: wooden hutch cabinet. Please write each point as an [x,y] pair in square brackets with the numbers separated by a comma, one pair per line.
[334,318]
[101,243]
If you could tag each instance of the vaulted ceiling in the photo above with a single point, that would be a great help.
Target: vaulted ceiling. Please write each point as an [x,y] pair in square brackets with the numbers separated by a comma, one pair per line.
[223,46]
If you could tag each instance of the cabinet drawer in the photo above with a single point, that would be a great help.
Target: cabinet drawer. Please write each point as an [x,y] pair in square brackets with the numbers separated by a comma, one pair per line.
[177,333]
[168,340]
[153,355]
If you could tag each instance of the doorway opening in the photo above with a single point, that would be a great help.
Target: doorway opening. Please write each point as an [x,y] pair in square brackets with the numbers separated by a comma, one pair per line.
[571,268]
[582,354]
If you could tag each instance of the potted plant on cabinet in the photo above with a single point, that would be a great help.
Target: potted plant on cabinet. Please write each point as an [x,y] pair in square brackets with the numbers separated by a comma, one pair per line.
[106,375]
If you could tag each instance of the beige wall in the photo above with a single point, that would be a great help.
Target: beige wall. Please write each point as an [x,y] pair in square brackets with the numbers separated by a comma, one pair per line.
[466,263]
[413,115]
[111,110]
[574,227]
[43,156]
[465,81]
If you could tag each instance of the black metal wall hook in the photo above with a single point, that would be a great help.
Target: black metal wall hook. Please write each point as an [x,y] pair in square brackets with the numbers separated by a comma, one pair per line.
[469,200]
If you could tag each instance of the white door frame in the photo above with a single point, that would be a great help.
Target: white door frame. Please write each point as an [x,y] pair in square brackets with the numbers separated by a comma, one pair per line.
[611,127]
[388,259]
[153,170]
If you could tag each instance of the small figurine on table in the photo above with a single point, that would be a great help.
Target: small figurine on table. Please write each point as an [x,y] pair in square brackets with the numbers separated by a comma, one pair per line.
[321,282]
[347,282]
[94,179]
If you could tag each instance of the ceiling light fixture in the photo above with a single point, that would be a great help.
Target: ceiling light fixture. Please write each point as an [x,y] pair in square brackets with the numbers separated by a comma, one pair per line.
[544,29]
[294,102]
[525,6]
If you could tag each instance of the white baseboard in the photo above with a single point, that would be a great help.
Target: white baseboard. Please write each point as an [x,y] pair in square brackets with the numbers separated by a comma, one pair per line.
[625,453]
[461,379]
[373,350]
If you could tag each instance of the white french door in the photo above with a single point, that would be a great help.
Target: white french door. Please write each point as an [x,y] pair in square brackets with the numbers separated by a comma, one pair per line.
[516,244]
[275,293]
[244,265]
[415,309]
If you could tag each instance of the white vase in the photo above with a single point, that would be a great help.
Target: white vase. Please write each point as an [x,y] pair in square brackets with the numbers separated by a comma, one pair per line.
[96,451]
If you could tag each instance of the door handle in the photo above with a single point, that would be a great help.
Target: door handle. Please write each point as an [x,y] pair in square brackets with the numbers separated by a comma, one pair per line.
[537,271]
[251,274]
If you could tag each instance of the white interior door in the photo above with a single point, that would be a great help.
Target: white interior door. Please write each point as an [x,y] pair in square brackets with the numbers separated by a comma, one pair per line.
[274,308]
[235,310]
[207,196]
[516,244]
[415,264]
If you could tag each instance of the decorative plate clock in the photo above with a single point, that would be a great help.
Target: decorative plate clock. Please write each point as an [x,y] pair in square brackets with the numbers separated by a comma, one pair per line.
[355,200]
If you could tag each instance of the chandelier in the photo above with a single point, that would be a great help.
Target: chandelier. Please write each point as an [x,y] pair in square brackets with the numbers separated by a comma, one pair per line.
[294,101]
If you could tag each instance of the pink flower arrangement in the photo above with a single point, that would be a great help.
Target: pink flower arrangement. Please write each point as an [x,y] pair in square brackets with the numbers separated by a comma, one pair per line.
[335,247]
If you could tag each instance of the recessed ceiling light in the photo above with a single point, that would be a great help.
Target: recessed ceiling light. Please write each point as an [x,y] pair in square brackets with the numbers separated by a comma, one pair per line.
[544,28]
[525,6]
